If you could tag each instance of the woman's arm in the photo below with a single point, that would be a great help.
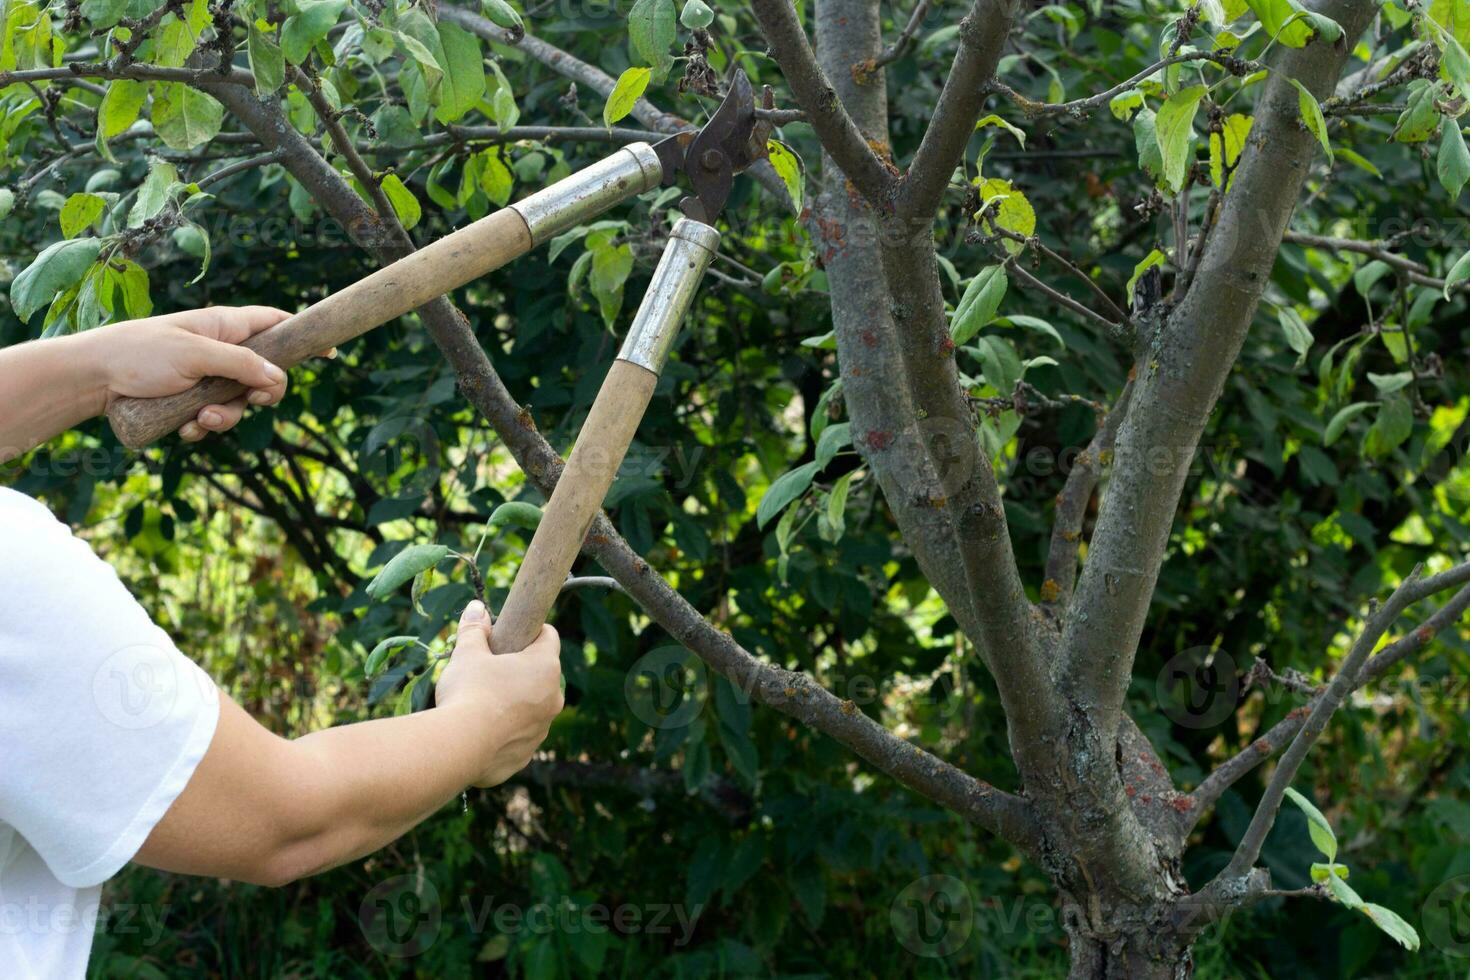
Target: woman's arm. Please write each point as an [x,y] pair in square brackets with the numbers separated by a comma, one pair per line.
[48,386]
[266,810]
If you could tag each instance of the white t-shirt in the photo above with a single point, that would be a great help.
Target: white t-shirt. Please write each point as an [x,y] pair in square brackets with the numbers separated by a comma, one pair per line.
[102,723]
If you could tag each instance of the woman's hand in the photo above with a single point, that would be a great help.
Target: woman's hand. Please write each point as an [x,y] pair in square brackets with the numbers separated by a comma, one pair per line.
[515,696]
[164,355]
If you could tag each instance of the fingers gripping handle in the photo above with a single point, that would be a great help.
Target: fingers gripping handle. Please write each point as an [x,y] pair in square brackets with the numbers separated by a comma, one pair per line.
[604,439]
[407,284]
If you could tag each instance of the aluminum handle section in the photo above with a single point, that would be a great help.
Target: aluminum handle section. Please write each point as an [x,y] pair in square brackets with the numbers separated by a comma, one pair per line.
[589,192]
[604,439]
[412,281]
[691,248]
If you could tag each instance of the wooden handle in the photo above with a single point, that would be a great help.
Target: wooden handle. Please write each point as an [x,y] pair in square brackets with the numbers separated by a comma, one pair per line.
[373,300]
[600,448]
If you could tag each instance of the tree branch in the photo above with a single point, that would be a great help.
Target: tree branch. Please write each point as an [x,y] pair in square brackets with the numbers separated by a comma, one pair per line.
[1079,108]
[982,35]
[1209,791]
[1414,271]
[900,45]
[839,135]
[1071,509]
[1345,681]
[1188,363]
[134,70]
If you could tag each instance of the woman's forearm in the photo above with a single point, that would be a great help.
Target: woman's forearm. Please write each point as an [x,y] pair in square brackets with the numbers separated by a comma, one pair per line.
[46,387]
[266,810]
[379,779]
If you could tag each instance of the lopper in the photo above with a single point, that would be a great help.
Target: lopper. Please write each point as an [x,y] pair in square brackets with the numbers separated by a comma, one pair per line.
[710,157]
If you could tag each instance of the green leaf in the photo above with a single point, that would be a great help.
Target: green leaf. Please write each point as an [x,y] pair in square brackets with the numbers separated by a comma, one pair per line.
[1387,384]
[267,63]
[405,205]
[1336,427]
[422,583]
[153,196]
[7,201]
[311,22]
[59,267]
[104,13]
[1150,260]
[611,265]
[463,83]
[1342,892]
[1000,363]
[789,168]
[837,503]
[178,34]
[833,438]
[192,239]
[994,120]
[379,654]
[1367,276]
[1392,923]
[1284,20]
[1226,145]
[120,106]
[404,566]
[1317,825]
[629,89]
[1031,323]
[1420,117]
[652,28]
[1146,142]
[1125,104]
[977,307]
[1460,270]
[516,513]
[1298,334]
[1007,207]
[136,301]
[1321,872]
[185,117]
[696,15]
[416,30]
[495,177]
[78,213]
[1454,159]
[1175,126]
[786,488]
[502,14]
[1393,424]
[1312,117]
[1358,160]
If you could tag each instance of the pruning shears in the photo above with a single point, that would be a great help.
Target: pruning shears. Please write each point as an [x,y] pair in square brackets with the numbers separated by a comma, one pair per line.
[709,157]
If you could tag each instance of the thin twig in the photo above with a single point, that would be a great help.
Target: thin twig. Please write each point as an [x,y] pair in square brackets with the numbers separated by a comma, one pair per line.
[1015,269]
[265,159]
[901,44]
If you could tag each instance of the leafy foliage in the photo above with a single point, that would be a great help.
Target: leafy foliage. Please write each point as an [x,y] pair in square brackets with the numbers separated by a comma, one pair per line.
[744,488]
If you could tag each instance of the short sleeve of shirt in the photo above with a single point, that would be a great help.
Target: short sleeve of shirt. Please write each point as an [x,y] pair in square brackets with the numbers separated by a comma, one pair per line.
[102,719]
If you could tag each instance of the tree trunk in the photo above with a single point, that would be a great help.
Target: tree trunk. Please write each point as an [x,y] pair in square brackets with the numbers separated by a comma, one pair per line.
[1135,956]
